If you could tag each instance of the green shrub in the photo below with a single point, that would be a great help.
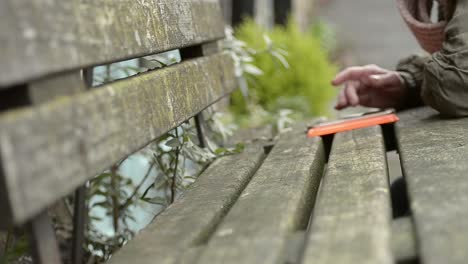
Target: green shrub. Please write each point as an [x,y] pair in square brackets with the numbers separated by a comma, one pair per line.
[303,87]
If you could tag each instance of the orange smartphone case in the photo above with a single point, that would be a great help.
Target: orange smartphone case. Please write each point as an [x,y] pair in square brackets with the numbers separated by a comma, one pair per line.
[351,124]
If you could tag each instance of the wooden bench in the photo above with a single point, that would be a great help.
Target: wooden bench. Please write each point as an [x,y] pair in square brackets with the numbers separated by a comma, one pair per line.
[319,200]
[56,132]
[323,200]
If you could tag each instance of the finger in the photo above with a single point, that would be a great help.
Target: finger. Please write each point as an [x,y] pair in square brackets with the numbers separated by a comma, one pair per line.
[387,79]
[355,73]
[351,93]
[342,102]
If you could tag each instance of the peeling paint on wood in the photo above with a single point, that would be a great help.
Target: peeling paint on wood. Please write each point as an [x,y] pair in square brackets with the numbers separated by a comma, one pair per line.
[49,150]
[41,37]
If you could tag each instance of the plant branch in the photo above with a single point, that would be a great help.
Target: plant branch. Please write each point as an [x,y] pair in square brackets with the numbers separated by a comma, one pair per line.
[115,200]
[7,241]
[135,192]
[174,177]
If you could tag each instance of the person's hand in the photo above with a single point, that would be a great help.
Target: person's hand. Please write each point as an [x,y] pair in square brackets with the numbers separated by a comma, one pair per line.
[369,86]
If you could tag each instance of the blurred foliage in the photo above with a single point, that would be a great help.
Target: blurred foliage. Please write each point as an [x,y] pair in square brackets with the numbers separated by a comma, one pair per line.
[16,247]
[302,85]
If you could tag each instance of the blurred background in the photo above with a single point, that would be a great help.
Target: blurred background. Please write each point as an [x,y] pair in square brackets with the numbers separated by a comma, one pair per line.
[356,32]
[371,31]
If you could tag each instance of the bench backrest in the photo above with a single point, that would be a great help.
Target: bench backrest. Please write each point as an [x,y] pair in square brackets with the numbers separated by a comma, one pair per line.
[55,132]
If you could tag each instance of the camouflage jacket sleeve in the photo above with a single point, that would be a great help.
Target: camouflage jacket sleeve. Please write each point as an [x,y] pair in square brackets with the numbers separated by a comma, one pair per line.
[441,80]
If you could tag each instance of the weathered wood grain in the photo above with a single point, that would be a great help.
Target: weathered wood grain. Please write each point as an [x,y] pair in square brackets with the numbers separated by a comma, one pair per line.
[5,206]
[434,155]
[275,204]
[47,89]
[39,92]
[43,243]
[226,6]
[293,250]
[190,255]
[40,37]
[352,219]
[59,145]
[403,240]
[190,221]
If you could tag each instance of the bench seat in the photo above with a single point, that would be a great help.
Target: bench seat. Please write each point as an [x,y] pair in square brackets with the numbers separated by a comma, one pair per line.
[260,209]
[309,201]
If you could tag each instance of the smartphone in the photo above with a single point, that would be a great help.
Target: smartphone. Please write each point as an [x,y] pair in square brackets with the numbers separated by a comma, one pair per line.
[352,122]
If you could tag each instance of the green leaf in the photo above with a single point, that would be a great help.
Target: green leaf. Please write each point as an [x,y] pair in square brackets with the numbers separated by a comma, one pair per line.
[101,177]
[98,192]
[173,143]
[191,177]
[104,204]
[156,200]
[281,58]
[95,218]
[252,69]
[220,151]
[239,147]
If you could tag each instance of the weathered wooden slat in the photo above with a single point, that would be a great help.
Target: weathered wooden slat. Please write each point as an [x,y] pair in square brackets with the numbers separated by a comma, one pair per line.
[190,255]
[276,203]
[293,250]
[40,92]
[404,240]
[42,240]
[190,221]
[352,219]
[45,36]
[59,145]
[5,206]
[47,89]
[434,154]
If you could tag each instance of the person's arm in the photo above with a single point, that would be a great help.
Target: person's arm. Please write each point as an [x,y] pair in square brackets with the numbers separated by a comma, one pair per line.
[444,82]
[440,80]
[411,70]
